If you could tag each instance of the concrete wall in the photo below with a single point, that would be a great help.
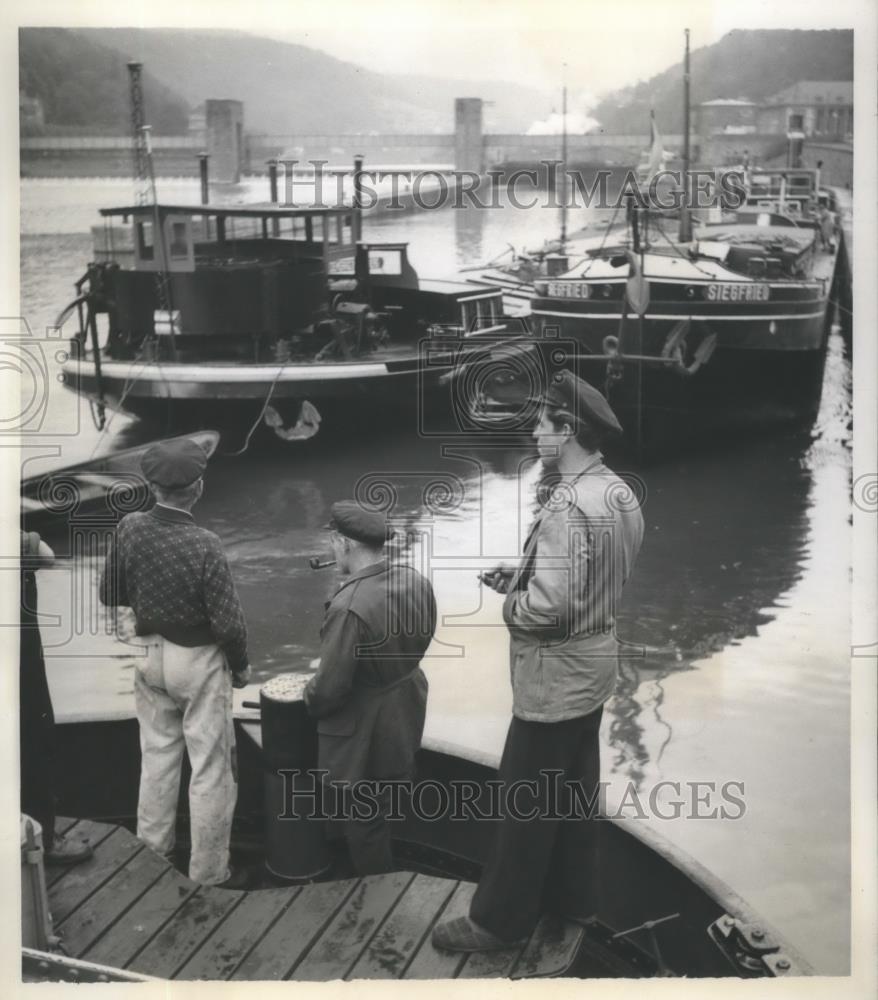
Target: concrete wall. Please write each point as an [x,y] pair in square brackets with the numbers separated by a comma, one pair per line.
[105,156]
[838,162]
[340,150]
[178,155]
[726,150]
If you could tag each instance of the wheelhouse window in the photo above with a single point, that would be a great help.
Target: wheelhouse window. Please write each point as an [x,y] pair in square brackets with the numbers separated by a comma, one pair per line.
[179,244]
[479,314]
[145,241]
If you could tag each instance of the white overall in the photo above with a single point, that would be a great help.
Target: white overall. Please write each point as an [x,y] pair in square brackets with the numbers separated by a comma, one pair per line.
[183,698]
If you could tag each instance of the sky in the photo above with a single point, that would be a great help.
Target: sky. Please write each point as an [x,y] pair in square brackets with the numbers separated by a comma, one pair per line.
[596,45]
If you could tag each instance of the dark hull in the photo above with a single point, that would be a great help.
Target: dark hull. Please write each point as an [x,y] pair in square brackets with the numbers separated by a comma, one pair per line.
[762,373]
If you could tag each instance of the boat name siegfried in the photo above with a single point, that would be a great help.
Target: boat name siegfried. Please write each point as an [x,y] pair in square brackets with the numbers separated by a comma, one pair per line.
[738,293]
[569,289]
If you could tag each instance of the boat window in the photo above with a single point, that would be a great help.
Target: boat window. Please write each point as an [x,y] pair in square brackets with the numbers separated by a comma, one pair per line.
[385,262]
[178,245]
[145,241]
[467,316]
[479,314]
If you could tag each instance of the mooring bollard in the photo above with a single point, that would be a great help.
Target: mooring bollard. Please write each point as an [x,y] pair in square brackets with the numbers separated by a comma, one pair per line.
[295,844]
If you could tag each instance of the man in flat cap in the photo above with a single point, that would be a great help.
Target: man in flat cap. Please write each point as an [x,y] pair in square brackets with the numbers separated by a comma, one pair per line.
[176,578]
[369,694]
[560,610]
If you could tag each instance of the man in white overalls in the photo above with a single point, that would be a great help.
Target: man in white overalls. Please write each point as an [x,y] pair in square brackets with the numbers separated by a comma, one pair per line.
[176,578]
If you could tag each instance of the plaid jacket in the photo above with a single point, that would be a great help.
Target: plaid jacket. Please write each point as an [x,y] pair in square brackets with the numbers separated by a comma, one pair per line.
[176,578]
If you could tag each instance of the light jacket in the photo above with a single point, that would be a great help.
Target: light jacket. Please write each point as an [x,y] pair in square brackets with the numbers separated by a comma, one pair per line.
[561,604]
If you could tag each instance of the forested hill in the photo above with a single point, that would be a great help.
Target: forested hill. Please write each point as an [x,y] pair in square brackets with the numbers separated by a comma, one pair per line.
[285,88]
[743,64]
[83,84]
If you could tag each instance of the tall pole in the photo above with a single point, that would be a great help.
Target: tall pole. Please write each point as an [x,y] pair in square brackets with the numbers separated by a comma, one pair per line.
[357,213]
[272,187]
[139,147]
[685,219]
[144,169]
[202,173]
[564,168]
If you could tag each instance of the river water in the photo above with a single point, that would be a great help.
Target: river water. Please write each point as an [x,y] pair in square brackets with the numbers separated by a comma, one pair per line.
[740,598]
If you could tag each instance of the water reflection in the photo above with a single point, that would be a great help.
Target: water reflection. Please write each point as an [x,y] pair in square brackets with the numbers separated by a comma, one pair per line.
[724,538]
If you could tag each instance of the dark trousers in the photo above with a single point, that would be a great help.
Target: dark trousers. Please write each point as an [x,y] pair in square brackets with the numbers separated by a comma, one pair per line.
[368,841]
[37,737]
[543,864]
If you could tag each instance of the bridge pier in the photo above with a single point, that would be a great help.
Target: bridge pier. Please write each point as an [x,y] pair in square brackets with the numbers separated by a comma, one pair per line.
[469,147]
[224,127]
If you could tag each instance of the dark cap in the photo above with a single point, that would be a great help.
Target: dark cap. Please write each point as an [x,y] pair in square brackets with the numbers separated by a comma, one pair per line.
[348,518]
[174,464]
[574,397]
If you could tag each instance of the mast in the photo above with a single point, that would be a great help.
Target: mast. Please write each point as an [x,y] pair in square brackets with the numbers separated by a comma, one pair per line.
[564,167]
[144,171]
[685,219]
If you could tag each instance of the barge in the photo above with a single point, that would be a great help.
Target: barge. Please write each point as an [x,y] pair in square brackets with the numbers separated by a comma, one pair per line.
[206,316]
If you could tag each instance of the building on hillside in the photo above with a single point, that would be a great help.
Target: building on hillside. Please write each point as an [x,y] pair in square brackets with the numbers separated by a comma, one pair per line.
[821,109]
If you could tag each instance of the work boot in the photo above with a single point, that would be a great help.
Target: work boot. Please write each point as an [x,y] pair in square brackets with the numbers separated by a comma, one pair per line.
[68,852]
[464,934]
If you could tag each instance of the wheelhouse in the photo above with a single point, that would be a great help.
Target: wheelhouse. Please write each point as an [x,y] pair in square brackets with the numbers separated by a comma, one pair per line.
[265,282]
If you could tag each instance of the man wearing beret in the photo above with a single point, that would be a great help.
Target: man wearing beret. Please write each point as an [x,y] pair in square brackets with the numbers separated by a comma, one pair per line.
[369,694]
[176,578]
[560,610]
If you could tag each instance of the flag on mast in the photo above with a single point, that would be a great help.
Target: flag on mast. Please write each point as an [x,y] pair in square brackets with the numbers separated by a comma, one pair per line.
[656,149]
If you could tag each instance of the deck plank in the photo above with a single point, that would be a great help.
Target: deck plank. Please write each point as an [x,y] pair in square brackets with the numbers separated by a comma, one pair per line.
[83,829]
[80,881]
[192,924]
[430,962]
[128,907]
[287,940]
[390,950]
[551,949]
[86,924]
[223,951]
[340,945]
[155,908]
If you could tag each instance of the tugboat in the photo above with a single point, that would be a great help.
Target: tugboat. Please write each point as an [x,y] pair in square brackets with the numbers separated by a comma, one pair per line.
[216,313]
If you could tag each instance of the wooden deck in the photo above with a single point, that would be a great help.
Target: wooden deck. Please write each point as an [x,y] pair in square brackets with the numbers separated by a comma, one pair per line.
[129,908]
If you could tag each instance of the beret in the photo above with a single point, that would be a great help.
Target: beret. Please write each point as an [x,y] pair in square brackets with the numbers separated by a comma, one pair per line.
[575,397]
[174,464]
[348,518]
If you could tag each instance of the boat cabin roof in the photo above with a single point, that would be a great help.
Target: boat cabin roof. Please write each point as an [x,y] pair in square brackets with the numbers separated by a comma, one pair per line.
[258,210]
[465,289]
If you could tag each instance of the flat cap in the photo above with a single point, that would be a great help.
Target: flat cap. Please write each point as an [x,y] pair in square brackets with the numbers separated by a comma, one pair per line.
[575,397]
[174,464]
[348,518]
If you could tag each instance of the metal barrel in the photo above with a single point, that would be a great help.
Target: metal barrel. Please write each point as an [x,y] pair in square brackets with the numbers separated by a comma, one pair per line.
[295,844]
